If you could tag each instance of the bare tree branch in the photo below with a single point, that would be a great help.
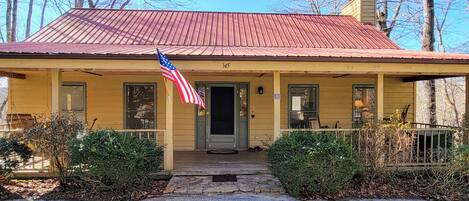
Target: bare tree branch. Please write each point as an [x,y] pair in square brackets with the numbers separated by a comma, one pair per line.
[44,6]
[14,21]
[124,4]
[28,21]
[1,36]
[78,3]
[8,20]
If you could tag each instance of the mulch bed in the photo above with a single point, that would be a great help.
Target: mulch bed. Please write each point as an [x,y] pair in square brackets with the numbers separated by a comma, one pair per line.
[49,189]
[403,186]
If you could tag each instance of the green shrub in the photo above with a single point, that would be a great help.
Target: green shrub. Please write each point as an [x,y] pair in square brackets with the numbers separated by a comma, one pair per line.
[12,153]
[463,153]
[307,162]
[109,159]
[52,136]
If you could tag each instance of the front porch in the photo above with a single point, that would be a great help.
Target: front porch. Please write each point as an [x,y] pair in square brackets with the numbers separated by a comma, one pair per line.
[328,97]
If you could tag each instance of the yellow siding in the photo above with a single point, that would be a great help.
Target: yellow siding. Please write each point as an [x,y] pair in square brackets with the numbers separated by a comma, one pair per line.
[362,10]
[352,8]
[105,100]
[31,95]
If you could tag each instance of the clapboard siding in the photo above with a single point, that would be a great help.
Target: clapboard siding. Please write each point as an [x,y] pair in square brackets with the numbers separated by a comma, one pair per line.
[362,10]
[105,100]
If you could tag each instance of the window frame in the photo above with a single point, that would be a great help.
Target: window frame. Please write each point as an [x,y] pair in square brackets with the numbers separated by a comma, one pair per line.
[155,101]
[85,98]
[290,86]
[354,86]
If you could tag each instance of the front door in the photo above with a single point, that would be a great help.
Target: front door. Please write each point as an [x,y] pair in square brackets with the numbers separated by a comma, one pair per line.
[221,127]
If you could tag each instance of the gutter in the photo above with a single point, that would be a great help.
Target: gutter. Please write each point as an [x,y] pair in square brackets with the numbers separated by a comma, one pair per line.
[233,58]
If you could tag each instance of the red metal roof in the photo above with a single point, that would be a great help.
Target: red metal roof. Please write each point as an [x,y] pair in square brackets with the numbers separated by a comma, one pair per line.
[135,34]
[193,28]
[212,52]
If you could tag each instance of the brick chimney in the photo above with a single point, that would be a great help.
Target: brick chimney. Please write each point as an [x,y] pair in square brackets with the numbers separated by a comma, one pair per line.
[363,10]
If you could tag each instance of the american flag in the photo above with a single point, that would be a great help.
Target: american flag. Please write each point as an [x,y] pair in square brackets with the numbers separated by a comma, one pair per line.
[186,91]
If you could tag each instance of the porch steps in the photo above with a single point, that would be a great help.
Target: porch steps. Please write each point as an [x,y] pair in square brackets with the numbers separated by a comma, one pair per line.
[203,185]
[221,171]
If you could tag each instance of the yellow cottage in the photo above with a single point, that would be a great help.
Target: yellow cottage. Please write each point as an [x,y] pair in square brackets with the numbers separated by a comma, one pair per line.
[259,73]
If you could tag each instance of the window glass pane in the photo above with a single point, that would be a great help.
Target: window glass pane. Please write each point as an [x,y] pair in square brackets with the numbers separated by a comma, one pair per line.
[201,91]
[140,106]
[303,106]
[363,104]
[72,100]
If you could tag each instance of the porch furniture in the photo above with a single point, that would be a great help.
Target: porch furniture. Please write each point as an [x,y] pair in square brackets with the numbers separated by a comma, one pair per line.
[20,121]
[314,123]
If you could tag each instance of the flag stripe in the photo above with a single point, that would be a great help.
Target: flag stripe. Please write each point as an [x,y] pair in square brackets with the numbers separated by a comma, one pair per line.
[187,93]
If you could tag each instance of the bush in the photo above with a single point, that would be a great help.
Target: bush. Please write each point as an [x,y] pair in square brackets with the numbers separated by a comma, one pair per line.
[307,162]
[52,136]
[12,153]
[463,153]
[108,159]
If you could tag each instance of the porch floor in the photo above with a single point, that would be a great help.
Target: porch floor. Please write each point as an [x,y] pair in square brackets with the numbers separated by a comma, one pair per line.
[201,163]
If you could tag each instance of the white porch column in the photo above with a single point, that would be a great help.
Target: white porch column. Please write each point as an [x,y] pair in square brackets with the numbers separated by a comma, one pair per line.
[276,98]
[379,97]
[168,135]
[56,83]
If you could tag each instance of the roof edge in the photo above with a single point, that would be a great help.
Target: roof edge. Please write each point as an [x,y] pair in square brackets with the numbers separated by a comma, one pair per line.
[234,58]
[203,11]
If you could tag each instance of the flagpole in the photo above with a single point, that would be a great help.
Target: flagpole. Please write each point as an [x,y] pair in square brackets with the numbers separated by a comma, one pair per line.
[168,135]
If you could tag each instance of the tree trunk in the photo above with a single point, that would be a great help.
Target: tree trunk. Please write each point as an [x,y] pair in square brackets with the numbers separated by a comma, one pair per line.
[428,42]
[8,20]
[44,6]
[28,21]
[428,34]
[384,24]
[382,17]
[91,4]
[14,21]
[78,3]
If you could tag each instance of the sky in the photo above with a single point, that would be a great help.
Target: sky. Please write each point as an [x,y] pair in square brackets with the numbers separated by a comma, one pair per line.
[455,35]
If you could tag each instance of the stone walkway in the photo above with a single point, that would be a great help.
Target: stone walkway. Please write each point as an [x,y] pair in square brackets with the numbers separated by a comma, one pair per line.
[225,197]
[203,185]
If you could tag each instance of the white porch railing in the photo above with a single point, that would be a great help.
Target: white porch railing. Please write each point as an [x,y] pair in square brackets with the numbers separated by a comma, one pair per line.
[151,134]
[39,164]
[416,147]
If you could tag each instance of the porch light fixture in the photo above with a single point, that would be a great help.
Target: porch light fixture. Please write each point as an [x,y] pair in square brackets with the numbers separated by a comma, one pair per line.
[260,90]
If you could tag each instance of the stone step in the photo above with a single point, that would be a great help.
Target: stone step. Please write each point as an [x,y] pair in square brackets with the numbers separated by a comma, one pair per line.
[200,185]
[220,171]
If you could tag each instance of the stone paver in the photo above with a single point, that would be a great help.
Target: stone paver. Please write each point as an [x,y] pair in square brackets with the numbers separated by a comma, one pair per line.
[196,185]
[225,197]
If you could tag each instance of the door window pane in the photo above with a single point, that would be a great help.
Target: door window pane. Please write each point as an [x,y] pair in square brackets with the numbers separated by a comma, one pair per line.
[222,110]
[363,104]
[243,99]
[303,105]
[73,100]
[140,106]
[201,89]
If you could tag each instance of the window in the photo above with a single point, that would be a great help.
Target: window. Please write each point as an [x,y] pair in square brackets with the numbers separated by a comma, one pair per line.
[303,105]
[140,106]
[363,104]
[73,100]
